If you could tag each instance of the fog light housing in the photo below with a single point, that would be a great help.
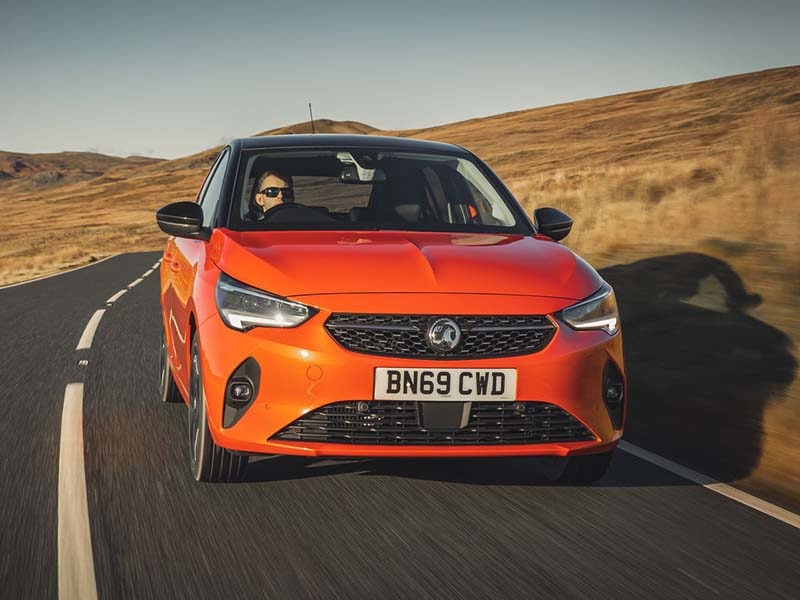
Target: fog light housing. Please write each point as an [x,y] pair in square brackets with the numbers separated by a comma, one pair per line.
[241,390]
[614,394]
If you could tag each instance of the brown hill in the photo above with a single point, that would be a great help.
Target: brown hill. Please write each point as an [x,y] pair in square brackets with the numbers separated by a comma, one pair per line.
[20,171]
[685,197]
[667,124]
[323,126]
[206,157]
[637,155]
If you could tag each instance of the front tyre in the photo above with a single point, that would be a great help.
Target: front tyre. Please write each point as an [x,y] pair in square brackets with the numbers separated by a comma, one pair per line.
[207,461]
[585,469]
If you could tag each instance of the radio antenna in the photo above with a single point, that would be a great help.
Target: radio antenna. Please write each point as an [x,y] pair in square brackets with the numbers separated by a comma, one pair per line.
[311,114]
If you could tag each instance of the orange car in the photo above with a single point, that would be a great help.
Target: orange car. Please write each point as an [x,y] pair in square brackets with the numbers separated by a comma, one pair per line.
[364,296]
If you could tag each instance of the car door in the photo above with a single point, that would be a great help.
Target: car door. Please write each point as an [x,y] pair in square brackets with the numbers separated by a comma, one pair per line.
[187,255]
[170,268]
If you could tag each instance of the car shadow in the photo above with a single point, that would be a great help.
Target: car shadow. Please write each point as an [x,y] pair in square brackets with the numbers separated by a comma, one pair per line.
[626,470]
[701,370]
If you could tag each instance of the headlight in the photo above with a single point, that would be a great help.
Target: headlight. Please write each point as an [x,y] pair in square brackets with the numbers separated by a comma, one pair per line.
[598,311]
[243,307]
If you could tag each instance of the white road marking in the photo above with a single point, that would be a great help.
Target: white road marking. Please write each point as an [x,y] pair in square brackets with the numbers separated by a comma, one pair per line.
[76,577]
[158,262]
[88,333]
[135,283]
[695,579]
[146,273]
[91,264]
[116,296]
[776,512]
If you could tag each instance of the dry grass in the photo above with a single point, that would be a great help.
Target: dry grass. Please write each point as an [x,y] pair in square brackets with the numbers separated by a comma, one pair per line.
[711,169]
[747,194]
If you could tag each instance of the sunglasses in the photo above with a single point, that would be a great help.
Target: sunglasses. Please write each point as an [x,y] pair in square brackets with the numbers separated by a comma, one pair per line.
[272,192]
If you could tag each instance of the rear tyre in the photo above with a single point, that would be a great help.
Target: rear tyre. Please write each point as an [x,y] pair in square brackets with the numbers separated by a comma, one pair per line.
[586,469]
[168,389]
[208,462]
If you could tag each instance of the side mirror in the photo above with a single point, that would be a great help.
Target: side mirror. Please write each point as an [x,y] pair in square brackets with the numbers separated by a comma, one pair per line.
[552,222]
[183,219]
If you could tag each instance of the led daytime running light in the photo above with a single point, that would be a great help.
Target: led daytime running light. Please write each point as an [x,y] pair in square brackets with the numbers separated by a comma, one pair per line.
[598,311]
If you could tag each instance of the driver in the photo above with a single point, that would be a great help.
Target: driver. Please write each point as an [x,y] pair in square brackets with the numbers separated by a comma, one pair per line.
[271,189]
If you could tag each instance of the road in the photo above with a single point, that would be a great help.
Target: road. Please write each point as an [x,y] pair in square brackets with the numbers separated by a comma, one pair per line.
[323,529]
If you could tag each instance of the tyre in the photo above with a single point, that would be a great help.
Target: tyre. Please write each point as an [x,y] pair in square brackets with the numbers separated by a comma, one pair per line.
[208,462]
[585,469]
[168,389]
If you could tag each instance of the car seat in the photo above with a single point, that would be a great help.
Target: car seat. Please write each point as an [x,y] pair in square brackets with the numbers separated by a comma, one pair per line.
[401,200]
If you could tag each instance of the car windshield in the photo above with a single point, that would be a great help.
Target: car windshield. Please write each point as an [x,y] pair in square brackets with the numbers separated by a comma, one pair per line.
[362,188]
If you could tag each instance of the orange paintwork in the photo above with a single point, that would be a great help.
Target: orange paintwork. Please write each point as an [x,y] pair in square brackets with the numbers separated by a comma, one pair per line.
[378,272]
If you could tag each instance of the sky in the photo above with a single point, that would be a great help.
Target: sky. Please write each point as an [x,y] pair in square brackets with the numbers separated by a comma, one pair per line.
[169,79]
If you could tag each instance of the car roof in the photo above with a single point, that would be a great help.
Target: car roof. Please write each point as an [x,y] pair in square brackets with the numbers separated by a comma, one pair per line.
[338,139]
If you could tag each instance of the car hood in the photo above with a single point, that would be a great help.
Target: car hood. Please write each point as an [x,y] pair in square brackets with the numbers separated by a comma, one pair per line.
[297,263]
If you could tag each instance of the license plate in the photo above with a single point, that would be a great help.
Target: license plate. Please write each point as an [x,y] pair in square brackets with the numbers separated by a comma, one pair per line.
[456,385]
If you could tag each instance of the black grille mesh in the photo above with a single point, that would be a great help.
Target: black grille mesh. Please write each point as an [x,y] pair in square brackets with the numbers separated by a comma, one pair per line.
[404,335]
[398,423]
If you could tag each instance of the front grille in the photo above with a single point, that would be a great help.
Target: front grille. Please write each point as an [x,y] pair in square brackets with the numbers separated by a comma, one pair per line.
[399,423]
[404,335]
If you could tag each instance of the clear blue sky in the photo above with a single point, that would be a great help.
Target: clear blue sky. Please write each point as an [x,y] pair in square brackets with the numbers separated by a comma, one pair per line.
[169,79]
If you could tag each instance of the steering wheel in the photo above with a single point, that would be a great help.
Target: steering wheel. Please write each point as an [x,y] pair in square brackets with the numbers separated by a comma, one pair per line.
[292,212]
[282,207]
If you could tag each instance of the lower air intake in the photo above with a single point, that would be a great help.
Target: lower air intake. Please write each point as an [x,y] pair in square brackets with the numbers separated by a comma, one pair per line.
[401,423]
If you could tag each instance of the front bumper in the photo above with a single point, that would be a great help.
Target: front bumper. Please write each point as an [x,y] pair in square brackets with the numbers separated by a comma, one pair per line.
[303,369]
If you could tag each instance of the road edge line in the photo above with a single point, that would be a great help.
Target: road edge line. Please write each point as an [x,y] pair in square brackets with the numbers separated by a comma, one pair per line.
[737,495]
[76,577]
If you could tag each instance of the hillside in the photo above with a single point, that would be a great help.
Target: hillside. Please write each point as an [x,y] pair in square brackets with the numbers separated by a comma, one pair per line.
[660,125]
[685,197]
[102,205]
[21,172]
[636,155]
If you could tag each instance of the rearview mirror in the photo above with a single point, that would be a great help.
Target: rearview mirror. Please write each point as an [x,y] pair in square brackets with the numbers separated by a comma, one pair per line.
[552,222]
[183,219]
[355,174]
[354,171]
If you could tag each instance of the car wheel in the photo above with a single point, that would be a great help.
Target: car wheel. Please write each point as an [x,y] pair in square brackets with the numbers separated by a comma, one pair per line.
[167,387]
[586,469]
[208,461]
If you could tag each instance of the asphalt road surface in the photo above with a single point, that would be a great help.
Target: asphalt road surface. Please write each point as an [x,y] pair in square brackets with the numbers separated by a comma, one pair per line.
[322,529]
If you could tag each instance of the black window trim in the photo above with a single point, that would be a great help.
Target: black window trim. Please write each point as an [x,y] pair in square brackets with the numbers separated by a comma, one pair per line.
[226,152]
[201,194]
